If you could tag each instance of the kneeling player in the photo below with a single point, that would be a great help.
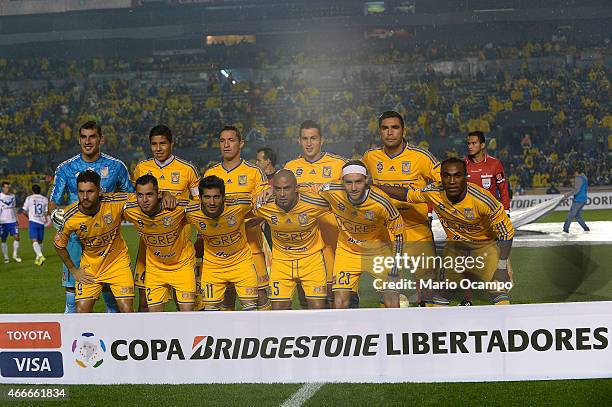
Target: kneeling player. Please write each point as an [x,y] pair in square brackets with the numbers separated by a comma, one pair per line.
[227,256]
[479,232]
[297,249]
[367,220]
[170,258]
[96,220]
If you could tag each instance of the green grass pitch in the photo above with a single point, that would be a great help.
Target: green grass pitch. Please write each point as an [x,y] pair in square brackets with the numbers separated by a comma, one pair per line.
[578,273]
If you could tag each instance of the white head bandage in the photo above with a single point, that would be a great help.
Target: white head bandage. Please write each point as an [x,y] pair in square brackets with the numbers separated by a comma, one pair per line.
[354,169]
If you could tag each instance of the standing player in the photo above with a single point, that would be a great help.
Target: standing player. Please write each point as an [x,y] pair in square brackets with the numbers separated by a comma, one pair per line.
[170,258]
[114,177]
[96,220]
[401,164]
[318,167]
[367,220]
[177,176]
[266,161]
[476,226]
[36,206]
[227,256]
[243,178]
[297,252]
[8,221]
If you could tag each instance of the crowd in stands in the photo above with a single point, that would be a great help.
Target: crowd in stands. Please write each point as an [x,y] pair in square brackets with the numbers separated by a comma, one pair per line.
[439,109]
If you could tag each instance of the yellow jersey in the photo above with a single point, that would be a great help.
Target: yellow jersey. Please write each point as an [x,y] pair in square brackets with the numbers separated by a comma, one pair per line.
[295,234]
[177,176]
[365,228]
[245,179]
[168,247]
[478,217]
[326,169]
[413,168]
[103,246]
[225,241]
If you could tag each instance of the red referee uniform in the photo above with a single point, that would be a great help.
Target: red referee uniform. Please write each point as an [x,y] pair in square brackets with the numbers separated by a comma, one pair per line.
[489,174]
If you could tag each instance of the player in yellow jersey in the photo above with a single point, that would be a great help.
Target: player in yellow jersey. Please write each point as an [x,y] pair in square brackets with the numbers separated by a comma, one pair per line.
[318,167]
[243,178]
[401,164]
[297,249]
[370,226]
[96,220]
[170,258]
[174,175]
[476,227]
[227,256]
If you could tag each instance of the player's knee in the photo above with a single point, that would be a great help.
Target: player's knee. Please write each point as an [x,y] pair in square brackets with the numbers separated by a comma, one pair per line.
[280,305]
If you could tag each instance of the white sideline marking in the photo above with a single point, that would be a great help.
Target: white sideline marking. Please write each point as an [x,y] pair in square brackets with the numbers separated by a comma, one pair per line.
[304,393]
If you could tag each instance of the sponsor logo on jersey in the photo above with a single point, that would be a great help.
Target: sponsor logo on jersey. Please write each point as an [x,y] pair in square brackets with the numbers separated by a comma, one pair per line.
[392,168]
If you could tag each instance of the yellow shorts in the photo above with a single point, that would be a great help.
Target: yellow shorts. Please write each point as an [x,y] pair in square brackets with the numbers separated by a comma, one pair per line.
[349,266]
[160,283]
[140,266]
[309,271]
[216,279]
[118,276]
[329,233]
[256,242]
[469,260]
[423,265]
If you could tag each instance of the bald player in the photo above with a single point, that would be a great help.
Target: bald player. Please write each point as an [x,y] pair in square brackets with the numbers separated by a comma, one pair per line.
[297,249]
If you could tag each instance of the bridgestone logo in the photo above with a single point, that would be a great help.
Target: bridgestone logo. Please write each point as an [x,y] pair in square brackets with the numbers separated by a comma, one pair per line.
[390,344]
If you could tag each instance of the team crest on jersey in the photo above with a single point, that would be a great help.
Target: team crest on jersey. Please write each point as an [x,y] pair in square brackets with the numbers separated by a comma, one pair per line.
[327,171]
[406,167]
[175,177]
[298,172]
[274,219]
[303,218]
[379,166]
[202,225]
[108,218]
[369,215]
[104,172]
[486,183]
[341,207]
[167,221]
[468,213]
[83,228]
[231,220]
[242,179]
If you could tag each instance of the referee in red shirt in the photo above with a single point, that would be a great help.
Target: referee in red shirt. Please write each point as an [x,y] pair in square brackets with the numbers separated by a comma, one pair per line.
[487,172]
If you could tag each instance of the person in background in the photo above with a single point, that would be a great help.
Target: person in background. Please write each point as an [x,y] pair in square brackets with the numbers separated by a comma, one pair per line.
[581,185]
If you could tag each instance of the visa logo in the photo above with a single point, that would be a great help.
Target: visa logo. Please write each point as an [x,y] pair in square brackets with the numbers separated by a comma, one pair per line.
[31,364]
